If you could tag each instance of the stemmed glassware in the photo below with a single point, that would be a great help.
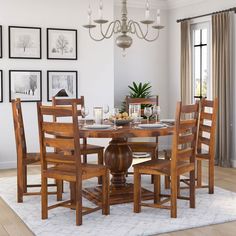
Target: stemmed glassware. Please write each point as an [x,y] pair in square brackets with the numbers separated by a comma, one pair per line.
[115,113]
[106,110]
[156,110]
[84,113]
[148,113]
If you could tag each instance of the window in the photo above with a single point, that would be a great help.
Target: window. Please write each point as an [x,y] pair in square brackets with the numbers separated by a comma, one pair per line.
[201,60]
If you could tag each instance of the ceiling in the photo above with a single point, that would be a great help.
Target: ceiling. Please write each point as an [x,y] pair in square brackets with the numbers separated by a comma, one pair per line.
[163,4]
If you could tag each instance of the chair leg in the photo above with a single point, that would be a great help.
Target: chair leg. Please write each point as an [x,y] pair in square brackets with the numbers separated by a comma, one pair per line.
[211,176]
[105,193]
[59,184]
[44,196]
[167,178]
[137,192]
[199,173]
[173,187]
[157,188]
[192,189]
[153,157]
[20,184]
[100,162]
[25,179]
[78,204]
[72,193]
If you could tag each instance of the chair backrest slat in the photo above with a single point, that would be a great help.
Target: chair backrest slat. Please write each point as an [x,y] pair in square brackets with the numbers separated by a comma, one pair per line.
[185,134]
[64,137]
[207,126]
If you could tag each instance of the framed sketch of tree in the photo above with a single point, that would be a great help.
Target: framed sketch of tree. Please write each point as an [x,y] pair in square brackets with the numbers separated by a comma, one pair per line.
[24,42]
[26,85]
[0,41]
[62,84]
[61,44]
[1,87]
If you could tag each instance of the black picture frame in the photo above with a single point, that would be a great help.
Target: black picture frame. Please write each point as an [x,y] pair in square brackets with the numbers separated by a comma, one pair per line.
[1,84]
[50,93]
[0,41]
[52,49]
[24,90]
[23,41]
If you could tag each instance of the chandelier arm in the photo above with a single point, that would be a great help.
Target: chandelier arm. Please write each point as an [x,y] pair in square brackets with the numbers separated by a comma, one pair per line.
[98,39]
[113,25]
[130,26]
[144,36]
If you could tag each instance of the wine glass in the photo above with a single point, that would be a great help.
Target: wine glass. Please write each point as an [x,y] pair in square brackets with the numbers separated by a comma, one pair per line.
[115,113]
[84,113]
[148,113]
[106,110]
[156,110]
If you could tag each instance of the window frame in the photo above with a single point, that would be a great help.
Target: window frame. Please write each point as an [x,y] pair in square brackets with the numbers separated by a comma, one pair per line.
[199,26]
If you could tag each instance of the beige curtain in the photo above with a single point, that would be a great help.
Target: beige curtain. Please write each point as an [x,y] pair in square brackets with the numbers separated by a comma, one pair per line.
[185,67]
[221,83]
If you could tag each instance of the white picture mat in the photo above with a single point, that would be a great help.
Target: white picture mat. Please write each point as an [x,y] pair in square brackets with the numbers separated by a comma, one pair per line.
[56,52]
[20,87]
[20,36]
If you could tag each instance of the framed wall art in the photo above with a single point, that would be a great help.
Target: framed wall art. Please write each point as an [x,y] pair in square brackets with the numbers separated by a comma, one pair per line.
[1,86]
[0,41]
[26,85]
[62,84]
[24,42]
[61,44]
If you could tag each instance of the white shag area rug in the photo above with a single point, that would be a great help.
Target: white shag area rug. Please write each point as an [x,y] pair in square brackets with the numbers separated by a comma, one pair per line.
[210,209]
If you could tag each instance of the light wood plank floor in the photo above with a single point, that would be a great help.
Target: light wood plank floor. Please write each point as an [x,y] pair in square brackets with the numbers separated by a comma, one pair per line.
[12,225]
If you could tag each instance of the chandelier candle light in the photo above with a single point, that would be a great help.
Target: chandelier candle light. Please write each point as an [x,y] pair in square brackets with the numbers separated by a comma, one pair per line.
[124,26]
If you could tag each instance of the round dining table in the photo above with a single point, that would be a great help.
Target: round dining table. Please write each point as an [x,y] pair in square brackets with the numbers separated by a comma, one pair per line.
[118,158]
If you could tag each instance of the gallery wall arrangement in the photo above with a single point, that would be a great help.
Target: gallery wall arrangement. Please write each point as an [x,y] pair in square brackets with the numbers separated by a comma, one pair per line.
[26,43]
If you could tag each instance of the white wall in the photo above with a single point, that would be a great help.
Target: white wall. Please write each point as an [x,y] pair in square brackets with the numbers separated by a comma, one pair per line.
[203,7]
[94,64]
[144,62]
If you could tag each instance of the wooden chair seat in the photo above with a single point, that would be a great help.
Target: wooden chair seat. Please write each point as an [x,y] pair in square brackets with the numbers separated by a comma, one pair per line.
[163,167]
[202,156]
[143,147]
[90,148]
[68,172]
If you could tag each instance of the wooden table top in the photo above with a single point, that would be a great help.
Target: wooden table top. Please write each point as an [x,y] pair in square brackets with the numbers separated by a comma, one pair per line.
[126,132]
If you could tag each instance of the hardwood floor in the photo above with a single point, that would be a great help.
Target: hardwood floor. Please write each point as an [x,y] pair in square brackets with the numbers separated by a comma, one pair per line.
[12,225]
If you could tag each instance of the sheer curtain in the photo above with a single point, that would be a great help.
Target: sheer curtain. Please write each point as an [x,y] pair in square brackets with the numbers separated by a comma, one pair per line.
[185,68]
[221,71]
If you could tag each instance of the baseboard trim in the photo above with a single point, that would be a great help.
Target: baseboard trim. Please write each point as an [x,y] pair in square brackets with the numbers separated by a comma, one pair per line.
[7,165]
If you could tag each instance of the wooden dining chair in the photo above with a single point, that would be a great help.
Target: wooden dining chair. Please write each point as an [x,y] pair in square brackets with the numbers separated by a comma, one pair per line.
[182,161]
[205,144]
[85,148]
[206,141]
[65,137]
[24,158]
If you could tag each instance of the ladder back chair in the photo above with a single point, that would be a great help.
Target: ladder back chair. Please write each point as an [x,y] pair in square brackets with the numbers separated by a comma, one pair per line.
[85,148]
[24,158]
[65,137]
[206,141]
[182,161]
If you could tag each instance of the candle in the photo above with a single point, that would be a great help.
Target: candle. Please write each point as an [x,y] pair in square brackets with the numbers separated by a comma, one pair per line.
[158,17]
[89,15]
[147,12]
[98,115]
[100,9]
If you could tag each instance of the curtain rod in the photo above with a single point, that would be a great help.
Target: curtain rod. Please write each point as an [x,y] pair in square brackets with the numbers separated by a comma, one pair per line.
[209,14]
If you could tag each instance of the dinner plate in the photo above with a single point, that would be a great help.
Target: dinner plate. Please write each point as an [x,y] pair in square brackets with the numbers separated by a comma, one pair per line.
[95,126]
[168,120]
[146,126]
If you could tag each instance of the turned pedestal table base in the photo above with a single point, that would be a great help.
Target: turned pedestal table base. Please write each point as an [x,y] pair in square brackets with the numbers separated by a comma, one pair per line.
[118,158]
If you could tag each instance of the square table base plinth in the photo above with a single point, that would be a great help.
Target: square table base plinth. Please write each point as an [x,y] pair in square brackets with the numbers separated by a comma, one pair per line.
[117,196]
